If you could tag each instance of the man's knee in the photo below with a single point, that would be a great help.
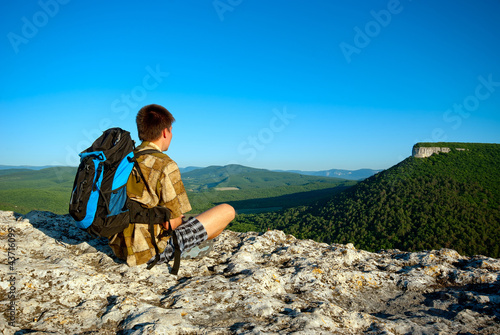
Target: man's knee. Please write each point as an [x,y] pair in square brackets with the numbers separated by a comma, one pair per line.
[229,211]
[216,219]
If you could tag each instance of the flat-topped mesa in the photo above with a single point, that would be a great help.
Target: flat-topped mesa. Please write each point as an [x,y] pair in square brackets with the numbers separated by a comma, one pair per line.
[423,152]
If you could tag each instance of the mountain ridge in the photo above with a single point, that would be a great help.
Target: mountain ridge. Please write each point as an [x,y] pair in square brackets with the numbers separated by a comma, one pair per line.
[25,167]
[235,175]
[337,173]
[358,174]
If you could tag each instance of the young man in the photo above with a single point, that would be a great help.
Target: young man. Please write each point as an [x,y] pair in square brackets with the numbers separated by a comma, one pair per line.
[154,125]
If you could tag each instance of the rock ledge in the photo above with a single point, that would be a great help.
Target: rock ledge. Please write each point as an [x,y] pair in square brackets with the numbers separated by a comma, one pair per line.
[272,283]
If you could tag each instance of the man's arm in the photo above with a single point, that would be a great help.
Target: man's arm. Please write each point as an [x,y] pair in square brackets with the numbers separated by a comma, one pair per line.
[174,223]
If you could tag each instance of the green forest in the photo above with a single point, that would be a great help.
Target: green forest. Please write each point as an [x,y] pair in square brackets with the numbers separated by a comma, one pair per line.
[449,200]
[256,190]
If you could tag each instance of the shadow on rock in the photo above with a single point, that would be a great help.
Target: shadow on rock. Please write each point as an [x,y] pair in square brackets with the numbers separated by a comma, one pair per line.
[454,302]
[63,230]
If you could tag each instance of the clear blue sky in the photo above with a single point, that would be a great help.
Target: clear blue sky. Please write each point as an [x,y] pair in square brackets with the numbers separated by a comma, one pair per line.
[285,84]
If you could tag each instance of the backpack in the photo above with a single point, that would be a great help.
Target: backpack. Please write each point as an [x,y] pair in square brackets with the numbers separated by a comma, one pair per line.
[99,202]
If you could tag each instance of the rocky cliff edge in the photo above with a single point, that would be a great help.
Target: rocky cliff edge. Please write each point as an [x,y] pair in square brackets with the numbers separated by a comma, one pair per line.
[65,282]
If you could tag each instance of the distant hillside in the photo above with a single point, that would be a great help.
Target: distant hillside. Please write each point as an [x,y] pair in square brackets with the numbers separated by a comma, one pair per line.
[23,167]
[244,177]
[31,189]
[189,168]
[250,189]
[335,173]
[446,200]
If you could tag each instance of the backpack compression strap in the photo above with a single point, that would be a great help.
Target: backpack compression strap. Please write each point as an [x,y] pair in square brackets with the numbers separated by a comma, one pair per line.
[177,254]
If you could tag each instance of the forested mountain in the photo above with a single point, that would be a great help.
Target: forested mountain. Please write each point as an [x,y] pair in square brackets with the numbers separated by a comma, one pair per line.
[446,200]
[256,190]
[243,177]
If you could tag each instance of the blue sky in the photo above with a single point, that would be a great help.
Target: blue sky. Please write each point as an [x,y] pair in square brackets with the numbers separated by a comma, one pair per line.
[286,84]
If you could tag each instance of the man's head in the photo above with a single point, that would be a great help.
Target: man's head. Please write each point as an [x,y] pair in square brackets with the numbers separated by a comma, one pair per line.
[152,120]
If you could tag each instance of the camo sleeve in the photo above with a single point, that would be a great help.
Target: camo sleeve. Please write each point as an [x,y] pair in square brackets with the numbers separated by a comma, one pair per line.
[172,192]
[164,179]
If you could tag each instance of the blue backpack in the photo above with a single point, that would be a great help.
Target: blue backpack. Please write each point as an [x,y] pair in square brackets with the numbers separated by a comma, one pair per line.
[99,202]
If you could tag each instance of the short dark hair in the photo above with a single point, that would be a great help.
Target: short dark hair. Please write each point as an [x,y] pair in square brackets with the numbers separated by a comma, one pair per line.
[151,120]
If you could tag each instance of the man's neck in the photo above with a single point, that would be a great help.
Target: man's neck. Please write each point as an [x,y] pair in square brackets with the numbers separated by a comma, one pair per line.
[155,144]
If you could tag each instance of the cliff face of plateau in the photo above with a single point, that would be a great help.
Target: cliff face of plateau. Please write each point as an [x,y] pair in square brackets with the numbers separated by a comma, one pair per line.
[63,281]
[424,152]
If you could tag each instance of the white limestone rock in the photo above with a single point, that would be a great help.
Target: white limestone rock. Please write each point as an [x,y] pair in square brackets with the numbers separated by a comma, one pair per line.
[65,282]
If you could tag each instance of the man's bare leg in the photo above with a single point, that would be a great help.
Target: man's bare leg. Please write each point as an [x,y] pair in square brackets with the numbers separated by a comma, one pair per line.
[191,233]
[216,219]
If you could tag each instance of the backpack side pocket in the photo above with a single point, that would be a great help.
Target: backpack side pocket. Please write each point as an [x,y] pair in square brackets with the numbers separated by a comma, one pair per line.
[82,188]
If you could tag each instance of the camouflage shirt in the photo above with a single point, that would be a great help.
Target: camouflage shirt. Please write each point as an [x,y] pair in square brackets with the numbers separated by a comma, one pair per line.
[164,179]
